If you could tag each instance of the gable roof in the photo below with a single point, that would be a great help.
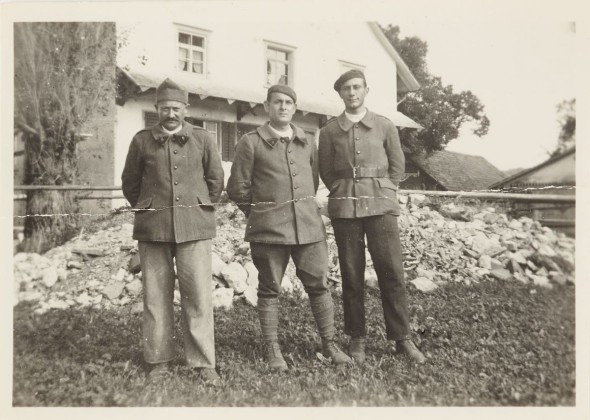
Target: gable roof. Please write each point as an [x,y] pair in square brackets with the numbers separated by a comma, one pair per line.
[457,171]
[549,161]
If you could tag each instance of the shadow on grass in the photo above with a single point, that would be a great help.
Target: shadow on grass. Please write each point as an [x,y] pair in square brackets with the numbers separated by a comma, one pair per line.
[491,344]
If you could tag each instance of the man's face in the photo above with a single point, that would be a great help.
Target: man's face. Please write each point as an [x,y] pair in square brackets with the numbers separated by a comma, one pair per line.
[171,114]
[353,93]
[280,108]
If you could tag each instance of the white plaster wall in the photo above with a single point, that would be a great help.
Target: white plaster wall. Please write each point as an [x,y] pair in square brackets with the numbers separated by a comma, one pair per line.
[236,56]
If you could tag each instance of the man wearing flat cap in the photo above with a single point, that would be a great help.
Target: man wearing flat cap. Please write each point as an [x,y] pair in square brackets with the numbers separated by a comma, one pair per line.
[172,177]
[274,179]
[361,163]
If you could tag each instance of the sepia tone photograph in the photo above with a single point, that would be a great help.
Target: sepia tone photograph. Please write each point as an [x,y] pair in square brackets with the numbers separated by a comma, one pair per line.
[276,204]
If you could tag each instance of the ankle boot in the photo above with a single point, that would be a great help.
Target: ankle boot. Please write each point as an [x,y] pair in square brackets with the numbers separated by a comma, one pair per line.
[408,348]
[268,315]
[331,351]
[274,357]
[357,349]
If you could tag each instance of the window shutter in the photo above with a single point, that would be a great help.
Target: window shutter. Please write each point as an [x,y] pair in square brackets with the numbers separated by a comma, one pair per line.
[150,118]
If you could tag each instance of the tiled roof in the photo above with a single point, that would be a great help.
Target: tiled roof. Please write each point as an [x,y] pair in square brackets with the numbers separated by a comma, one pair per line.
[459,172]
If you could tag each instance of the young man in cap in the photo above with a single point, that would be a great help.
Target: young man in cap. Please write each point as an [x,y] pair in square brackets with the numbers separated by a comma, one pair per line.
[274,180]
[361,163]
[172,177]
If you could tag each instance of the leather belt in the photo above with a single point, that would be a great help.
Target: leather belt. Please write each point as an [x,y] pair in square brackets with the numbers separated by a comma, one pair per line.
[361,172]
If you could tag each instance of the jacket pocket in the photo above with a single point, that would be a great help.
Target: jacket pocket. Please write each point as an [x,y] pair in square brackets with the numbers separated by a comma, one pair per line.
[337,187]
[205,202]
[143,204]
[386,183]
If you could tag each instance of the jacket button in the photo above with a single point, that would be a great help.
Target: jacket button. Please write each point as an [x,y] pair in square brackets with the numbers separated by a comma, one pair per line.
[294,173]
[358,138]
[177,198]
[358,152]
[357,180]
[282,140]
[292,162]
[296,186]
[175,166]
[289,150]
[175,182]
[176,151]
[356,126]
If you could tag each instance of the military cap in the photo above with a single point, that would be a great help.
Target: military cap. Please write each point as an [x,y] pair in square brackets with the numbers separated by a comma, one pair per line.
[170,91]
[350,74]
[282,89]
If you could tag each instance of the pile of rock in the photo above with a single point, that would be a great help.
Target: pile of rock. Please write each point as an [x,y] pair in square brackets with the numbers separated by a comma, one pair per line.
[441,244]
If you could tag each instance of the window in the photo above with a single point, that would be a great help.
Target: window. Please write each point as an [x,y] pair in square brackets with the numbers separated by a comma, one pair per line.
[278,65]
[192,51]
[213,127]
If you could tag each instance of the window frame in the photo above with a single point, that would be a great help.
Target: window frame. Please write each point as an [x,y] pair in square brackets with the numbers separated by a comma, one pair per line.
[289,50]
[192,31]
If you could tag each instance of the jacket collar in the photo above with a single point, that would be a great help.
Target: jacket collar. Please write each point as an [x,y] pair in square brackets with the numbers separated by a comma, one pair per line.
[345,124]
[160,136]
[270,137]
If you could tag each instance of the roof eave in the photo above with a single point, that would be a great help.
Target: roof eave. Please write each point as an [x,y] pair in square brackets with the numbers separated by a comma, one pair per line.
[403,71]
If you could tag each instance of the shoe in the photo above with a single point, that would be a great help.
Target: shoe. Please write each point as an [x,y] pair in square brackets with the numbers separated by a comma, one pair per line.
[274,357]
[357,349]
[209,376]
[157,372]
[331,350]
[408,348]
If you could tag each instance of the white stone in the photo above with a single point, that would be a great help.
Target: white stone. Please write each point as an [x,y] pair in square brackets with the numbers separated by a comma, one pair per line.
[134,287]
[50,276]
[402,199]
[485,261]
[235,276]
[57,304]
[422,272]
[217,265]
[62,274]
[177,297]
[418,199]
[84,299]
[501,274]
[423,284]
[547,251]
[252,274]
[120,276]
[371,279]
[113,290]
[515,224]
[223,297]
[251,295]
[541,281]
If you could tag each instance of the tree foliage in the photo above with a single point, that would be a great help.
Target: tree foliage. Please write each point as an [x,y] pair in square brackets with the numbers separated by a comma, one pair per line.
[64,75]
[566,111]
[437,107]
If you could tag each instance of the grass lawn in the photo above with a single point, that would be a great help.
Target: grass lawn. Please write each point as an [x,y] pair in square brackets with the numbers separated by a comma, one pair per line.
[489,344]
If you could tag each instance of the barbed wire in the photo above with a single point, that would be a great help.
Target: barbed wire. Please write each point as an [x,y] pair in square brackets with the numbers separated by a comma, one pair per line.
[267,203]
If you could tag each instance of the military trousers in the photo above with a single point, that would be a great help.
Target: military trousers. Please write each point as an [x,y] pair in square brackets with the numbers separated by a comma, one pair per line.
[193,267]
[383,241]
[311,266]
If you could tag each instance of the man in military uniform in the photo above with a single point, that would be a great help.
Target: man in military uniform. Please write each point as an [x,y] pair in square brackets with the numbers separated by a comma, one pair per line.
[274,180]
[172,177]
[361,163]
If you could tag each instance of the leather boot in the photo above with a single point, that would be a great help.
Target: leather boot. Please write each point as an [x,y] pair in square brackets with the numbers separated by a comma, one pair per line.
[274,357]
[408,348]
[322,309]
[268,315]
[331,351]
[357,349]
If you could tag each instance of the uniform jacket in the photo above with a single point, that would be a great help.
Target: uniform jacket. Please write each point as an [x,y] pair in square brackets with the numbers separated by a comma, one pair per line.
[279,177]
[165,177]
[373,142]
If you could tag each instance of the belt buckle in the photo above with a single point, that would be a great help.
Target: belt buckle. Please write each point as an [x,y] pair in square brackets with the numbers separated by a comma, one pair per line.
[354,172]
